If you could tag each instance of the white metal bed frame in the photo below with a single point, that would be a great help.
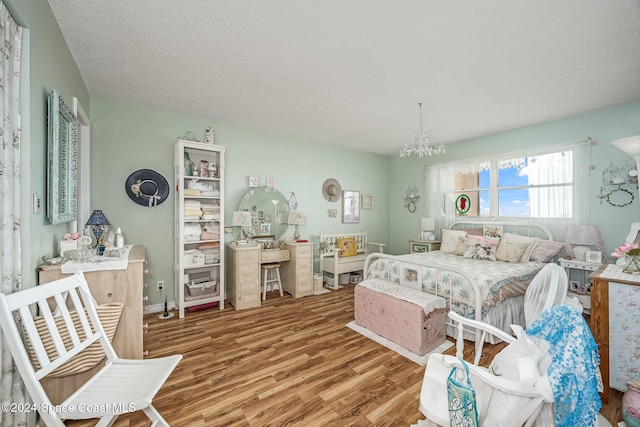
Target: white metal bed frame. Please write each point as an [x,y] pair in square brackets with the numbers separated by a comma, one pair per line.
[529,229]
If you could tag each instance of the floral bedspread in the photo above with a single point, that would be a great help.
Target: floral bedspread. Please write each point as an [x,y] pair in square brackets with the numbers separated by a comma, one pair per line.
[444,276]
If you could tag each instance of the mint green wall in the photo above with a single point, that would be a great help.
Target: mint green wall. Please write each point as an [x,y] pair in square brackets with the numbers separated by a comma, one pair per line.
[51,66]
[603,126]
[126,138]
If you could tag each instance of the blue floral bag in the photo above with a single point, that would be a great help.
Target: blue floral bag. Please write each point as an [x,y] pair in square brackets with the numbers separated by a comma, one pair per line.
[462,398]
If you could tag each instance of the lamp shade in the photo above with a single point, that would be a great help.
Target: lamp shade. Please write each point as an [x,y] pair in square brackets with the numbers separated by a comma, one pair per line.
[241,219]
[296,218]
[97,218]
[587,235]
[428,224]
[630,145]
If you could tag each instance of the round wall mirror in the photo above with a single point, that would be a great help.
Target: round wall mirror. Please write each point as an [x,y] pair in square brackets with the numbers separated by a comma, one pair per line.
[269,212]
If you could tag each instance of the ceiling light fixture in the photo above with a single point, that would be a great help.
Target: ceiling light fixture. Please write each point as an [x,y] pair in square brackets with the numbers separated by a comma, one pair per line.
[423,146]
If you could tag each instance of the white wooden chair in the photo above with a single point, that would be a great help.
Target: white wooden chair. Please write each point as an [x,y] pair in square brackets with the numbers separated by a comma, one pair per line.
[59,321]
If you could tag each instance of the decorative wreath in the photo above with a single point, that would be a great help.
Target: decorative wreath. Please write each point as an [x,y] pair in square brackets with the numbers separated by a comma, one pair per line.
[463,204]
[619,205]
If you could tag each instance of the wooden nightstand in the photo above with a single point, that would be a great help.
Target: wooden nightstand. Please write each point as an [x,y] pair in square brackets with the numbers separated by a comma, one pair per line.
[417,246]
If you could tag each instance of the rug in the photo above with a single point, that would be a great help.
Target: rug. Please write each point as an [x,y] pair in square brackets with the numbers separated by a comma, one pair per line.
[416,358]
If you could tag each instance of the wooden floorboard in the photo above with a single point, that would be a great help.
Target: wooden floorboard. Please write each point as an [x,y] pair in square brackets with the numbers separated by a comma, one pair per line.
[288,362]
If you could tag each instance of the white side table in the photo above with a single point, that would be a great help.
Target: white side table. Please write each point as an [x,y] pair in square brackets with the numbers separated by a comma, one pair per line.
[578,274]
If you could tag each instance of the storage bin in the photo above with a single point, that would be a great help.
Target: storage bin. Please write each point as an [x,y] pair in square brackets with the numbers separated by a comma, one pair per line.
[329,279]
[193,259]
[201,289]
[356,277]
[343,279]
[317,282]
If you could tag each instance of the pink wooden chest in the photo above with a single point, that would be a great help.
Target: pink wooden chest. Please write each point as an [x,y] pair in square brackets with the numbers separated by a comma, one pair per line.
[405,323]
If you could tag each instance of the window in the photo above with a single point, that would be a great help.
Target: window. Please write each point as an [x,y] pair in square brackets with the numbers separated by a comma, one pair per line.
[527,187]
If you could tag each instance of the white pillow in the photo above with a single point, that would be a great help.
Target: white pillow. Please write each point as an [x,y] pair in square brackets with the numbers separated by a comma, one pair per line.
[531,241]
[451,239]
[510,251]
[481,247]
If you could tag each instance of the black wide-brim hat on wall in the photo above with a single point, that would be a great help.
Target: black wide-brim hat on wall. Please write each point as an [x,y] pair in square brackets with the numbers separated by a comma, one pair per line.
[147,187]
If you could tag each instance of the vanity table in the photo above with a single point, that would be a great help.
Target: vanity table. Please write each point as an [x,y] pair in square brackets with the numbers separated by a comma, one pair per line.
[243,271]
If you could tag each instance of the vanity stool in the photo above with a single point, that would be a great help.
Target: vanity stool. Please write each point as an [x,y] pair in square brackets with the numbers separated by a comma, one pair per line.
[271,275]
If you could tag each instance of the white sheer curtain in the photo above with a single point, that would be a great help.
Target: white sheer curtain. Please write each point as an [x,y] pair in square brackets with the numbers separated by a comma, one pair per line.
[565,163]
[11,386]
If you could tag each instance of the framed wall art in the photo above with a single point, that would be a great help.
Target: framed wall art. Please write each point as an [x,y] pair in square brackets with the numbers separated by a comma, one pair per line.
[350,207]
[367,201]
[271,182]
[254,181]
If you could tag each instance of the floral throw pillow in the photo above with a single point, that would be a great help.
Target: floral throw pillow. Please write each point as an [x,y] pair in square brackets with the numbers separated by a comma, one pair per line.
[451,239]
[481,247]
[510,251]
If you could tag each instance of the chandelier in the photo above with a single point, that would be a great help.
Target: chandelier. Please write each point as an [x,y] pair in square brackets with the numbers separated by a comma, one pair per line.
[422,145]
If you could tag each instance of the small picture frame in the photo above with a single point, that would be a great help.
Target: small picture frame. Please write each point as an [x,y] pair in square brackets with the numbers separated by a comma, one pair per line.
[574,285]
[367,201]
[271,182]
[582,290]
[254,181]
[594,257]
[410,277]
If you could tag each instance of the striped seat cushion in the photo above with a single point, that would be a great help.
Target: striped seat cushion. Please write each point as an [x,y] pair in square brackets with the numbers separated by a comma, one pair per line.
[109,315]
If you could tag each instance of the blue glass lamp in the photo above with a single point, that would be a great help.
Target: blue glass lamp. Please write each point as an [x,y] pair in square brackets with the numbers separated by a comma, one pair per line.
[97,221]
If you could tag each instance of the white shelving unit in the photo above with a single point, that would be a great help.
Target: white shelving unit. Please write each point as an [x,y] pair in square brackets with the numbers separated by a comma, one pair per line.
[199,262]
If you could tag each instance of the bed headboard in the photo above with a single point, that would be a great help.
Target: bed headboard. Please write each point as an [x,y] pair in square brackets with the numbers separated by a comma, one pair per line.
[524,228]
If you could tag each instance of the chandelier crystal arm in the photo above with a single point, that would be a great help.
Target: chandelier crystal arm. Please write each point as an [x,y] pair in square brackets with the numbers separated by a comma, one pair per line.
[422,144]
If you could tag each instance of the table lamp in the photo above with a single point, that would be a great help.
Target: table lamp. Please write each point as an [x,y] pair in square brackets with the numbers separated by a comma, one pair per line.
[427,226]
[296,218]
[581,238]
[97,221]
[241,219]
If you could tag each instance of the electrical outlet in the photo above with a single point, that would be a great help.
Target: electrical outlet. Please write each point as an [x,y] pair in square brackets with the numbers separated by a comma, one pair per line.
[37,203]
[160,285]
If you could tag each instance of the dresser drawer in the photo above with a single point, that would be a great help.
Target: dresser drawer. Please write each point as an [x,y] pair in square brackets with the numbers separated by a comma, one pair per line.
[303,265]
[245,257]
[305,283]
[304,251]
[275,256]
[248,275]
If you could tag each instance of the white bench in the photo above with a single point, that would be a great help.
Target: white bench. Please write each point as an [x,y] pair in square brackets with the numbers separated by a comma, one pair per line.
[332,262]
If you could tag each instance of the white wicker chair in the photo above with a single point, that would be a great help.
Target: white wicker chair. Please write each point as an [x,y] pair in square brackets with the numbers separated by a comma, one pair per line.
[67,325]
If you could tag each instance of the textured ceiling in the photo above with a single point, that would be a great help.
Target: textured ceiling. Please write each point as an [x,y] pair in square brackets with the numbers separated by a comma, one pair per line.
[352,72]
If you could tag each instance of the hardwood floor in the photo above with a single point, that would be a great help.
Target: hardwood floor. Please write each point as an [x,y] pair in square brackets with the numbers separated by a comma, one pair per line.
[288,362]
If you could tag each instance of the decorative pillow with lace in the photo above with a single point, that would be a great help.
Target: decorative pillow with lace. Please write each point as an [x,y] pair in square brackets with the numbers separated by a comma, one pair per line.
[481,247]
